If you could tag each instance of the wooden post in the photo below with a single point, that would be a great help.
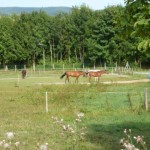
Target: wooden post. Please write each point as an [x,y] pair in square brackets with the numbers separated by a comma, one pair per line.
[116,65]
[145,98]
[15,68]
[63,67]
[46,102]
[25,67]
[94,66]
[6,68]
[105,66]
[112,70]
[43,59]
[18,79]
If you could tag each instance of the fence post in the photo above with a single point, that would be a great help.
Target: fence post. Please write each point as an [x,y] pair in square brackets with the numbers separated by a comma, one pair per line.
[145,99]
[6,68]
[46,102]
[112,70]
[105,66]
[83,65]
[53,66]
[94,66]
[18,79]
[15,68]
[25,67]
[63,67]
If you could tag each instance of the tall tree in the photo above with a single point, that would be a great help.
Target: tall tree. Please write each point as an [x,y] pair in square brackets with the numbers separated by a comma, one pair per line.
[7,50]
[138,12]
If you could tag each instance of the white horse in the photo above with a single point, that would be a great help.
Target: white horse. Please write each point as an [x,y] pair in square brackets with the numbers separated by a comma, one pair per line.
[95,70]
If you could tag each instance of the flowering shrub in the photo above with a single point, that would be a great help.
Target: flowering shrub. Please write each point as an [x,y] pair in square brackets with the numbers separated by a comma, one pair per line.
[71,134]
[8,142]
[130,142]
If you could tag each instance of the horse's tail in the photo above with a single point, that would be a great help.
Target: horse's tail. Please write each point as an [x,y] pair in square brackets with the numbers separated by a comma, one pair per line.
[62,75]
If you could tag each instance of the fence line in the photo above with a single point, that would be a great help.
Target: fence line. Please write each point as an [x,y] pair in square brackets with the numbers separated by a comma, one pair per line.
[146,102]
[52,67]
[73,92]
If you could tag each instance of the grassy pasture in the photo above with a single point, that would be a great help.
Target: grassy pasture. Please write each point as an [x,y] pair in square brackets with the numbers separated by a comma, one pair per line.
[108,109]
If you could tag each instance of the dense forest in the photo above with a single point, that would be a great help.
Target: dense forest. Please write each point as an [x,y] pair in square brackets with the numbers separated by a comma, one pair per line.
[85,36]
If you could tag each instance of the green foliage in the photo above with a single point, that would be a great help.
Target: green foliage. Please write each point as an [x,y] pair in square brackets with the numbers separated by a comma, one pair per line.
[115,34]
[138,14]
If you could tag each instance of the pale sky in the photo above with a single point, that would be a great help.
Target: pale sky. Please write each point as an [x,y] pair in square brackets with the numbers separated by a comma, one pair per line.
[93,4]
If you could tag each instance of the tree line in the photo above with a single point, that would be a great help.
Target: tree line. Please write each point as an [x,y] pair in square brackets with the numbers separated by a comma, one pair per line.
[85,36]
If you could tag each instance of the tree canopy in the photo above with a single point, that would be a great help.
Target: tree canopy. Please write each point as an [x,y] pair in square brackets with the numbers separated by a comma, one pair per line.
[114,34]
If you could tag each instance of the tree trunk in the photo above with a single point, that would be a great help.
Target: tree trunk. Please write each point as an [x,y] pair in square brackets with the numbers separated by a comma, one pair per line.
[51,53]
[53,48]
[83,55]
[61,56]
[69,54]
[80,53]
[76,56]
[33,61]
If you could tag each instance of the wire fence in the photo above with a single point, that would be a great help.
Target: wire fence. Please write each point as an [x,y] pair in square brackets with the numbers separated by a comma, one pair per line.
[48,95]
[55,70]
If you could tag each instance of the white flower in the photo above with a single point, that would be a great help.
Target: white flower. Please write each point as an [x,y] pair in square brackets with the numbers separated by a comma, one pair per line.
[128,146]
[17,144]
[82,133]
[44,146]
[122,141]
[64,127]
[72,131]
[78,120]
[7,145]
[80,115]
[125,131]
[2,142]
[139,139]
[10,135]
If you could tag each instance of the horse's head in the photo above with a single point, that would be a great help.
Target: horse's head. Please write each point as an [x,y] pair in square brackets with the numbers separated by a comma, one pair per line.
[84,73]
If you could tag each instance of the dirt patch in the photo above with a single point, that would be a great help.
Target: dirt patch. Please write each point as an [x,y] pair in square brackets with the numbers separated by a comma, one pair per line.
[109,82]
[128,82]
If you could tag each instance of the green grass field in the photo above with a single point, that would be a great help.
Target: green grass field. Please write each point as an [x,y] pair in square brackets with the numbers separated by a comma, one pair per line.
[108,110]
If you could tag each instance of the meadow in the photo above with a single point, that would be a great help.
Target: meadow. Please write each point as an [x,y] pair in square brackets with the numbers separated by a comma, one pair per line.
[80,116]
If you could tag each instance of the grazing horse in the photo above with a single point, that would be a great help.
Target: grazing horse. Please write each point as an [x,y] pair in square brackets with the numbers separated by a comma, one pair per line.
[96,74]
[23,73]
[75,74]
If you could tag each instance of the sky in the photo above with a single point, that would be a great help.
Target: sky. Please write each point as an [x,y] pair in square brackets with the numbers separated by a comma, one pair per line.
[93,4]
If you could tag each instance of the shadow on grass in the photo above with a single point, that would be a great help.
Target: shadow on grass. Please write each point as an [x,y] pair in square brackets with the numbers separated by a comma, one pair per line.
[107,137]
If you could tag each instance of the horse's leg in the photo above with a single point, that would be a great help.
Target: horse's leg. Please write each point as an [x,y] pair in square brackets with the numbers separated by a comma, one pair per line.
[98,78]
[76,79]
[90,79]
[67,78]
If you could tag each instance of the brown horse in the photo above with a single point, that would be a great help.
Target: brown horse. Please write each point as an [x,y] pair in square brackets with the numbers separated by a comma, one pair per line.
[23,73]
[96,74]
[75,74]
